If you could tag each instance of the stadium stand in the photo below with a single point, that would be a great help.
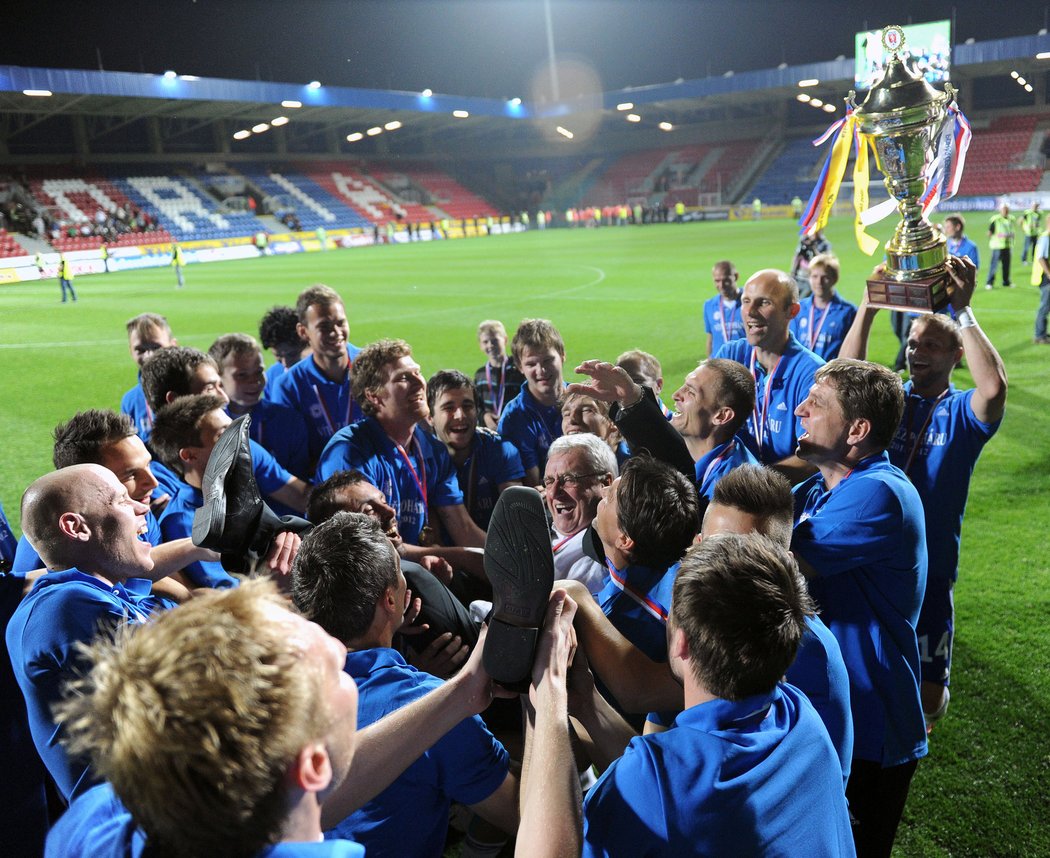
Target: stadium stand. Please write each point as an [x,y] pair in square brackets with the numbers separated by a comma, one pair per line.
[450,196]
[997,162]
[791,173]
[9,245]
[312,203]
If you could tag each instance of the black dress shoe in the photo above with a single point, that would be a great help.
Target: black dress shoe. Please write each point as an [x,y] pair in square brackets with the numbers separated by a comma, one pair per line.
[519,564]
[235,521]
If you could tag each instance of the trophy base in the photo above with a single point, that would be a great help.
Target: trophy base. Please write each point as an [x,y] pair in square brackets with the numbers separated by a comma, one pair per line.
[924,295]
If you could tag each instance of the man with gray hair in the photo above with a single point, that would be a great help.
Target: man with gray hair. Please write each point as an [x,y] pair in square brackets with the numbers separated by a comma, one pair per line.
[578,468]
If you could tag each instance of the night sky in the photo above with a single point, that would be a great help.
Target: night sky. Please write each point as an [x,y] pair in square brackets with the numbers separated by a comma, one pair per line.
[468,47]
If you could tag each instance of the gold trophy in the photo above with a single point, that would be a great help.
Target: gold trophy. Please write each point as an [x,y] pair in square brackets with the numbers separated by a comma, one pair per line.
[903,114]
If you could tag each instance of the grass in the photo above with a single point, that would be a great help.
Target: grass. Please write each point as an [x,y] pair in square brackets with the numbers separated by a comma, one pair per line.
[982,791]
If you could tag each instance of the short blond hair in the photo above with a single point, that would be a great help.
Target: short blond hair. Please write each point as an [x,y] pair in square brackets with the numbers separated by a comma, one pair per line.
[195,717]
[369,372]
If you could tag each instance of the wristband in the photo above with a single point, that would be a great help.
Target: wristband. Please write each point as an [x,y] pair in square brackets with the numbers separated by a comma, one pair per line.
[965,318]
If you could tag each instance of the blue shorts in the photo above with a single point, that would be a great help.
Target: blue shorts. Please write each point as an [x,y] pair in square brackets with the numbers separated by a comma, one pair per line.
[936,630]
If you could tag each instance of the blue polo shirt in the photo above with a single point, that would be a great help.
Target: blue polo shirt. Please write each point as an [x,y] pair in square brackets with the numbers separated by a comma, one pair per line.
[530,427]
[326,406]
[365,447]
[822,330]
[492,462]
[775,408]
[757,776]
[964,247]
[176,522]
[723,323]
[819,672]
[467,765]
[269,475]
[636,600]
[97,825]
[273,372]
[281,431]
[941,467]
[63,609]
[866,539]
[26,558]
[714,465]
[133,403]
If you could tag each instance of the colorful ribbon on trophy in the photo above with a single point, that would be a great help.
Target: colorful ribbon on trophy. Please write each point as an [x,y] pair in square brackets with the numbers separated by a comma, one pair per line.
[944,172]
[822,200]
[867,243]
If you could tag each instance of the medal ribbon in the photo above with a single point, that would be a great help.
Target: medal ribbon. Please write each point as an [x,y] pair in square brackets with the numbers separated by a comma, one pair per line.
[561,543]
[497,402]
[711,465]
[759,418]
[822,200]
[421,484]
[722,319]
[922,431]
[815,333]
[867,243]
[650,605]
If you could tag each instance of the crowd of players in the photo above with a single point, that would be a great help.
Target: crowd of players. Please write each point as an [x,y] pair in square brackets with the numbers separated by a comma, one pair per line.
[749,639]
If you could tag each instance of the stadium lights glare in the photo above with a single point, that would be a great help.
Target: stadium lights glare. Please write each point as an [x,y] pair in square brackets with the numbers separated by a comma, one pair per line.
[426,93]
[314,84]
[809,81]
[627,105]
[188,77]
[829,108]
[633,117]
[460,114]
[243,134]
[1014,75]
[353,138]
[564,132]
[515,102]
[1028,87]
[37,93]
[277,121]
[666,126]
[374,130]
[291,104]
[393,126]
[816,102]
[260,128]
[1045,55]
[802,97]
[1022,81]
[170,75]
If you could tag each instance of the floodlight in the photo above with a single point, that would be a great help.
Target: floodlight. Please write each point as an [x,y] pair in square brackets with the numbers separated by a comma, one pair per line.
[374,130]
[633,117]
[515,102]
[1014,75]
[314,84]
[1045,55]
[460,114]
[803,97]
[37,93]
[816,102]
[292,104]
[829,108]
[353,138]
[627,105]
[426,93]
[666,126]
[1022,81]
[809,81]
[170,75]
[393,126]
[278,121]
[260,128]
[1028,87]
[564,132]
[243,134]
[188,77]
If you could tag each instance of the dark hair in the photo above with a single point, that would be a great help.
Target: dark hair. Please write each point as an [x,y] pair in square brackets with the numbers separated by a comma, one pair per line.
[177,425]
[231,345]
[958,220]
[79,441]
[317,295]
[323,503]
[448,379]
[736,389]
[170,370]
[742,603]
[279,327]
[657,507]
[762,493]
[867,390]
[536,334]
[340,573]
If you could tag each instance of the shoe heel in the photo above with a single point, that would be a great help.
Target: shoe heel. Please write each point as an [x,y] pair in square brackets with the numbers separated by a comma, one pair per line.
[509,652]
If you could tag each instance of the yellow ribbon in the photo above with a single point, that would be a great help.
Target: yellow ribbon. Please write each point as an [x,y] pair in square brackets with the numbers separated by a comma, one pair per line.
[867,243]
[836,168]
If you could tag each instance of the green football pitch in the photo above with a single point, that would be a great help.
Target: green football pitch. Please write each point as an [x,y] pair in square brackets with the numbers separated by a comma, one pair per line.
[984,788]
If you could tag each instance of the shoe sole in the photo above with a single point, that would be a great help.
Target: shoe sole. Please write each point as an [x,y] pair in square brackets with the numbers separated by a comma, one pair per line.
[519,564]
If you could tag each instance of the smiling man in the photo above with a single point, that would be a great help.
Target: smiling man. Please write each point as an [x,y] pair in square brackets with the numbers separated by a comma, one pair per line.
[318,387]
[532,420]
[782,368]
[390,447]
[723,321]
[498,381]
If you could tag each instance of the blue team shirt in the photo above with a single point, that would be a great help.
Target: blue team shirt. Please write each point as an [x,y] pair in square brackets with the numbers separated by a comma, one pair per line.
[281,431]
[176,522]
[789,387]
[724,324]
[26,558]
[636,600]
[715,464]
[269,475]
[8,543]
[365,447]
[942,466]
[326,406]
[823,330]
[965,247]
[819,672]
[866,539]
[530,427]
[134,405]
[97,825]
[273,372]
[492,462]
[757,776]
[65,608]
[466,765]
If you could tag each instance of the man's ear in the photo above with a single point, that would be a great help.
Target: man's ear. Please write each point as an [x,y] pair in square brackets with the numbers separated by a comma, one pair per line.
[678,646]
[311,770]
[723,415]
[73,526]
[189,454]
[793,309]
[859,431]
[300,329]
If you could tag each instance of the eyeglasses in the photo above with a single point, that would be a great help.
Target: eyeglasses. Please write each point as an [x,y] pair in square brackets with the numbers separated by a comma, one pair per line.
[569,480]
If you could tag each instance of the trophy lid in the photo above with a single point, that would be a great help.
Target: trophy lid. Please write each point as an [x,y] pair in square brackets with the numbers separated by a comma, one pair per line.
[902,86]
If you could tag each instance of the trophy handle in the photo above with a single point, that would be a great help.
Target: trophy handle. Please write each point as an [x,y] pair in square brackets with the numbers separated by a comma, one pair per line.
[851,100]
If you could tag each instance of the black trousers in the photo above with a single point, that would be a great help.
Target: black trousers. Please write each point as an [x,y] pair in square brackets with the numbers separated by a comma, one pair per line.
[876,799]
[442,611]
